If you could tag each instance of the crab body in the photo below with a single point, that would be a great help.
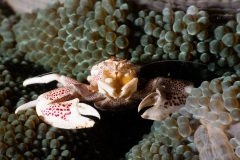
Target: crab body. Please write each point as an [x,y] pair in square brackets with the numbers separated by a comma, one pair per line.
[113,87]
[116,79]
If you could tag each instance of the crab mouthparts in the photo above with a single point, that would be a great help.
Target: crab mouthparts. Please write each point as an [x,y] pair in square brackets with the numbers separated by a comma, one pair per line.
[115,88]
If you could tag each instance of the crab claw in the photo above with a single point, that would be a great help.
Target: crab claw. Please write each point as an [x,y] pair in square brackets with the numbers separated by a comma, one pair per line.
[170,97]
[67,115]
[25,106]
[154,99]
[87,110]
[63,80]
[43,79]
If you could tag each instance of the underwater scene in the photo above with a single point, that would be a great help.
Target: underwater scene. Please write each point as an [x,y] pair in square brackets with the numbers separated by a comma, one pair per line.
[119,80]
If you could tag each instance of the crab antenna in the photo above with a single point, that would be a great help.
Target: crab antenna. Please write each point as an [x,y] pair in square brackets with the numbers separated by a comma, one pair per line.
[26,106]
[43,79]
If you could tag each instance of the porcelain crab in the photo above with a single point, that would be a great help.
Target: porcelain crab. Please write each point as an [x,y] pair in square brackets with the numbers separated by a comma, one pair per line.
[114,87]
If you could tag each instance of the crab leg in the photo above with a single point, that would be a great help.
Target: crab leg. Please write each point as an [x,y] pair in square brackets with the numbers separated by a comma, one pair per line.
[63,80]
[43,79]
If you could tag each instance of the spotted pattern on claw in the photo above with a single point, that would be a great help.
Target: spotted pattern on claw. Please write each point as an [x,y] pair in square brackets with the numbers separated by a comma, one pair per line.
[58,110]
[57,93]
[176,86]
[170,97]
[175,92]
[174,100]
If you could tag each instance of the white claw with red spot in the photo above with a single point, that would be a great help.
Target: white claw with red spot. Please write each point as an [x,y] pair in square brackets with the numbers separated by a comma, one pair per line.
[63,80]
[170,97]
[43,79]
[67,115]
[60,107]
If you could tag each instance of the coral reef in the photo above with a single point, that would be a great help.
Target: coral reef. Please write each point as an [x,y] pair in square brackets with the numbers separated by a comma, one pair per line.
[7,37]
[216,105]
[167,35]
[186,36]
[171,138]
